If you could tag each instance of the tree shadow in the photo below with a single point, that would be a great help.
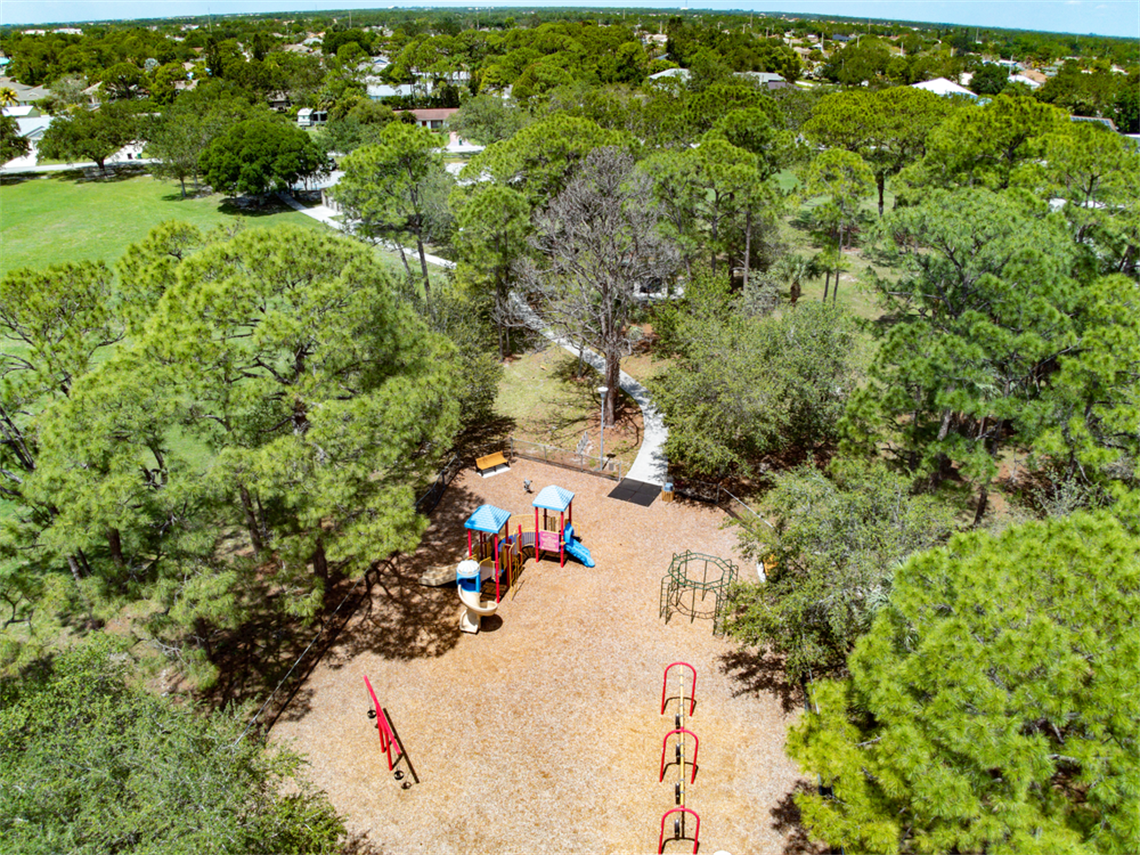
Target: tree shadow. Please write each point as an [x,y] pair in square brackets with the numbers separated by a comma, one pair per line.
[273,651]
[583,389]
[402,619]
[191,194]
[387,613]
[482,438]
[115,172]
[11,179]
[760,672]
[786,819]
[356,843]
[237,208]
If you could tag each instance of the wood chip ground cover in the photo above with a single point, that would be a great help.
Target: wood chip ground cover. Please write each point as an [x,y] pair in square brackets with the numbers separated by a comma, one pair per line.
[542,734]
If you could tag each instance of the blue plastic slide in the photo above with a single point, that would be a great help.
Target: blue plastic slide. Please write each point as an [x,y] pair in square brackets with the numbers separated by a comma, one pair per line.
[575,549]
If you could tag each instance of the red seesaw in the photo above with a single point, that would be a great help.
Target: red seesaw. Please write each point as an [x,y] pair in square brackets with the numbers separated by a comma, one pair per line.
[680,732]
[680,759]
[383,726]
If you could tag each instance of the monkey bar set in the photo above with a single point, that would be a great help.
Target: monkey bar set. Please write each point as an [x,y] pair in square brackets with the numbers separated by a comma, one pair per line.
[680,811]
[691,573]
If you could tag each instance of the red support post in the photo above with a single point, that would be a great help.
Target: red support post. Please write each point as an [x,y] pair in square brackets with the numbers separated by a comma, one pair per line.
[495,546]
[696,834]
[692,692]
[696,749]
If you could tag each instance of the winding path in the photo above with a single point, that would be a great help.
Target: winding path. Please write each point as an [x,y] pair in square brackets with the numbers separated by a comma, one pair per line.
[651,464]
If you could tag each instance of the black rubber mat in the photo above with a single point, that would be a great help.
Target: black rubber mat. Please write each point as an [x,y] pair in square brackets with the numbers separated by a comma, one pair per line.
[638,492]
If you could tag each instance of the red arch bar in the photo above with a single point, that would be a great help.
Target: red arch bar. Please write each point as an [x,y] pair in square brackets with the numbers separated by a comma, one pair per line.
[665,745]
[692,693]
[696,834]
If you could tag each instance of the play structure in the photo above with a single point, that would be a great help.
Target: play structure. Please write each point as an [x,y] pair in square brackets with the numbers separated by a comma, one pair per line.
[691,573]
[552,536]
[495,552]
[492,548]
[686,706]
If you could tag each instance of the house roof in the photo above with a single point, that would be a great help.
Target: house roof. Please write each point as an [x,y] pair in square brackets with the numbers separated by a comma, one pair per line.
[553,498]
[22,111]
[1108,123]
[34,127]
[942,86]
[682,74]
[383,90]
[761,76]
[487,518]
[432,114]
[26,94]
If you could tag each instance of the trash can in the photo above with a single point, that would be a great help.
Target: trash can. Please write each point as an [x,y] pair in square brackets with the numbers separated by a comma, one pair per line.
[667,492]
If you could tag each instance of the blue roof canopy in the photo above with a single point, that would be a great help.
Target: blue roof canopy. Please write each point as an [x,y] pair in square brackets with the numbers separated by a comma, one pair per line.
[553,498]
[488,518]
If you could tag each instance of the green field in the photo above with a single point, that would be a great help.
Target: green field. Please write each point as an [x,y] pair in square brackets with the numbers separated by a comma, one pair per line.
[64,217]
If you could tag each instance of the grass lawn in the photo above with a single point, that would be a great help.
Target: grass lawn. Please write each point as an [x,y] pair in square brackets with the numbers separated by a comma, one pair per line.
[547,404]
[65,217]
[795,231]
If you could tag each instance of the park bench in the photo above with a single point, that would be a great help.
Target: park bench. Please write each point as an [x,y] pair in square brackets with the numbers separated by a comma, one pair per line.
[490,463]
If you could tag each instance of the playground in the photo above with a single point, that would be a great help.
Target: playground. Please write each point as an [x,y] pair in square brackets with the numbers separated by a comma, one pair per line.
[543,732]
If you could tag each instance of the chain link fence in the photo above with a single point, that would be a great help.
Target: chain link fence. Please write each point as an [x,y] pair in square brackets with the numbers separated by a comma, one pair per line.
[608,468]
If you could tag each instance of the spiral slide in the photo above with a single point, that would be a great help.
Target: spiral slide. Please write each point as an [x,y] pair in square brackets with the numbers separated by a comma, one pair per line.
[470,576]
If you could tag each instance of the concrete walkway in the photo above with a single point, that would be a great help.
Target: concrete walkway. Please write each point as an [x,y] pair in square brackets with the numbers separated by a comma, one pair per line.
[331,218]
[650,465]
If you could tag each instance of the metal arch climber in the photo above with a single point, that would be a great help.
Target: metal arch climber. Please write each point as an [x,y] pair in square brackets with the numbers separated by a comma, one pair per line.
[691,573]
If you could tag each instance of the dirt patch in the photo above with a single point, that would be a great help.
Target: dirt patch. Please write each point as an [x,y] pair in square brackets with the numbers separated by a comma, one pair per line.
[543,733]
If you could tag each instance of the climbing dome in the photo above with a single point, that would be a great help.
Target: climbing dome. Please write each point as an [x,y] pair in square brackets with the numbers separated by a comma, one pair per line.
[697,586]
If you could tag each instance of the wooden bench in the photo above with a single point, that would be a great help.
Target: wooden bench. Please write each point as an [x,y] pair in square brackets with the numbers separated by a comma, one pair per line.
[491,462]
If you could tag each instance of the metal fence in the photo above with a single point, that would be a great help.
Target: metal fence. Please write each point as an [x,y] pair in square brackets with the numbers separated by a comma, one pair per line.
[714,494]
[733,503]
[428,501]
[608,468]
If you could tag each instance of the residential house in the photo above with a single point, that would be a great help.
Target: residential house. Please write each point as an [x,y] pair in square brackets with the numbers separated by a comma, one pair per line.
[679,74]
[945,88]
[432,119]
[22,111]
[766,79]
[307,117]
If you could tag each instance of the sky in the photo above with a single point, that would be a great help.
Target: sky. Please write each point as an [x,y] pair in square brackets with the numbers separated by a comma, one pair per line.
[1102,17]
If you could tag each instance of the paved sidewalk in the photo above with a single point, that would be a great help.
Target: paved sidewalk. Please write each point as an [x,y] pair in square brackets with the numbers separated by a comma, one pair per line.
[24,166]
[331,218]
